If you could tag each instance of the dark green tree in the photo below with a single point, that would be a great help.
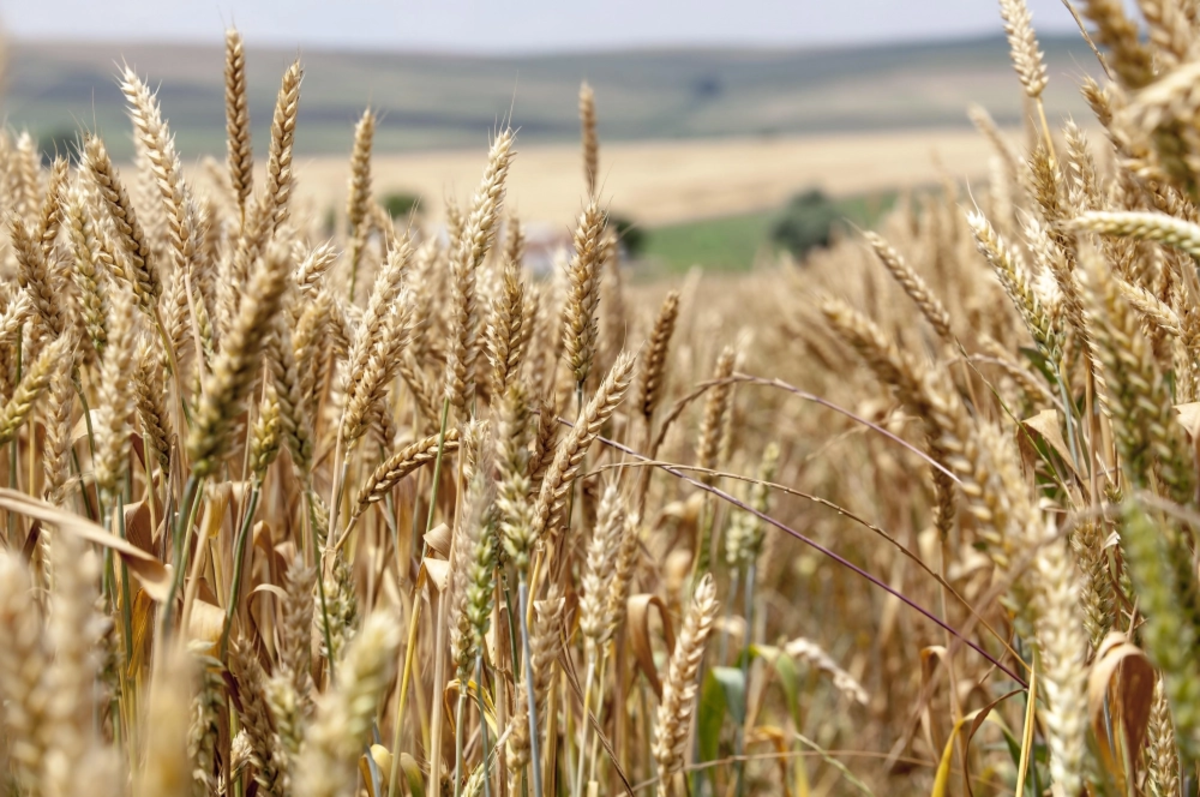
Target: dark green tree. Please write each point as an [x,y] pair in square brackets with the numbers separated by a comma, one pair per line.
[808,222]
[400,203]
[59,142]
[631,235]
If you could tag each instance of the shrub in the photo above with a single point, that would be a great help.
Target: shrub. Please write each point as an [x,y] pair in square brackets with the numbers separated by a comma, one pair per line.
[400,203]
[59,142]
[632,235]
[807,222]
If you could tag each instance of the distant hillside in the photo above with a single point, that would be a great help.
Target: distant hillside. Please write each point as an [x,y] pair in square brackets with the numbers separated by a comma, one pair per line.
[444,101]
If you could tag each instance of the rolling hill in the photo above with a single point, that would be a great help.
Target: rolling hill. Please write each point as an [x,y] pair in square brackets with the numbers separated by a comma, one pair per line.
[442,101]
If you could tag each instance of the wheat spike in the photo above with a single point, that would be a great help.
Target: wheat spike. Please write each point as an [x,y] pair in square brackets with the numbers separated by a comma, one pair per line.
[277,193]
[16,411]
[579,322]
[570,452]
[24,659]
[240,156]
[89,274]
[360,173]
[507,327]
[545,646]
[653,373]
[472,246]
[344,714]
[133,239]
[600,567]
[401,464]
[117,395]
[716,412]
[1062,645]
[679,688]
[167,769]
[255,715]
[591,143]
[1026,57]
[35,276]
[158,145]
[1129,57]
[234,370]
[151,403]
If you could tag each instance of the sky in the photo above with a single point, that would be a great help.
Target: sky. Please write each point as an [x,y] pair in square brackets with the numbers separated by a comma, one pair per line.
[513,26]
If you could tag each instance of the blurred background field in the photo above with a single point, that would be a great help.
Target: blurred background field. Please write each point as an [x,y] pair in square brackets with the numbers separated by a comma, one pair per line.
[702,147]
[439,101]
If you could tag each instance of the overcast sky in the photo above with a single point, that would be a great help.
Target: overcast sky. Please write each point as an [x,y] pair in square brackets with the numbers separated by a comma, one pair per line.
[516,25]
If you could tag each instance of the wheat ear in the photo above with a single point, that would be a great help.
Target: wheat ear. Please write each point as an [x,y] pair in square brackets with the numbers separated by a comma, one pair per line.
[345,713]
[478,233]
[399,465]
[278,191]
[235,369]
[117,395]
[360,173]
[716,412]
[591,143]
[120,210]
[579,324]
[569,455]
[653,374]
[679,689]
[1026,57]
[24,658]
[240,157]
[159,147]
[16,411]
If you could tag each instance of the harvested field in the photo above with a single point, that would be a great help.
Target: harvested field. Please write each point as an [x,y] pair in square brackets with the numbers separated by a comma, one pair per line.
[662,182]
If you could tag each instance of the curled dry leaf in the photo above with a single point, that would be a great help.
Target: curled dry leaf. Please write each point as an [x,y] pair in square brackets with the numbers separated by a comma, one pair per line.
[154,576]
[640,635]
[205,623]
[1046,426]
[436,572]
[438,540]
[1122,679]
[1189,417]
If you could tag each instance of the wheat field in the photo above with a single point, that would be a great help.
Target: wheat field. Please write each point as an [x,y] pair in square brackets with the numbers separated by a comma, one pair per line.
[388,514]
[658,183]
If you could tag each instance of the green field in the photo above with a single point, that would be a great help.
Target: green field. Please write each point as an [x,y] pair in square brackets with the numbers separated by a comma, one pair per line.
[440,101]
[733,243]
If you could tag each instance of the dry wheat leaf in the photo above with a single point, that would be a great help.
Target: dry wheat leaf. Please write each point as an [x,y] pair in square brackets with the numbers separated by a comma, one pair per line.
[640,637]
[205,623]
[1046,425]
[154,576]
[976,719]
[438,540]
[273,589]
[413,775]
[437,573]
[31,541]
[451,693]
[383,759]
[142,616]
[1189,417]
[780,740]
[1122,677]
[383,765]
[82,428]
[216,505]
[262,537]
[137,526]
